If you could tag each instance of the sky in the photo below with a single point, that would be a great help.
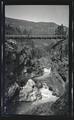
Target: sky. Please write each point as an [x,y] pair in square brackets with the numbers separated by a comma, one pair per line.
[39,13]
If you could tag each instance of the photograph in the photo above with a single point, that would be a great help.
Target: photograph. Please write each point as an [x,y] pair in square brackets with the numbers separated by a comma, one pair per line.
[36,80]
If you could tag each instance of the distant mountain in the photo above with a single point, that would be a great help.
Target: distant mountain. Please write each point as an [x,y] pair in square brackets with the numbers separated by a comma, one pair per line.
[16,26]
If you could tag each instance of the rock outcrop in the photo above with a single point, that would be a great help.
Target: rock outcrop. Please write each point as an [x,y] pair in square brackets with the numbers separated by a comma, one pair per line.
[29,92]
[47,94]
[12,89]
[61,106]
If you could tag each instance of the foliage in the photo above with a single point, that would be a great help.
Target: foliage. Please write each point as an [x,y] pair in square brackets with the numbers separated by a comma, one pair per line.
[9,29]
[16,61]
[60,30]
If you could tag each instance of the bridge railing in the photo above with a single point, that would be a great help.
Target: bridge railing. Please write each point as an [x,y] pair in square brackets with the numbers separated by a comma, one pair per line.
[44,36]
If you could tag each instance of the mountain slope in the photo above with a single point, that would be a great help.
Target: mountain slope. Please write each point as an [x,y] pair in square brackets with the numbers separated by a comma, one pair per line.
[33,27]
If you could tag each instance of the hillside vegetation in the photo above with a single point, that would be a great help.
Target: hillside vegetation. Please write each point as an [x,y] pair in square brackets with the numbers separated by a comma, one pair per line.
[15,26]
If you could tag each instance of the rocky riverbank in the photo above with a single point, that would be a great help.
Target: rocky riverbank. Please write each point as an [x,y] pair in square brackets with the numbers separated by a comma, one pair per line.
[32,96]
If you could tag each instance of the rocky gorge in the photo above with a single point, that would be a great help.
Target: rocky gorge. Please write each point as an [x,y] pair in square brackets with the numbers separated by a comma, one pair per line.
[36,71]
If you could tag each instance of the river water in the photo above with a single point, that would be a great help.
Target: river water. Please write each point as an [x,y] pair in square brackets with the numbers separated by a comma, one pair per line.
[24,107]
[18,107]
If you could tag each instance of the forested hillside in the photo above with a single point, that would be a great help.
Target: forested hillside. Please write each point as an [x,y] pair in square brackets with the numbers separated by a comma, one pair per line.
[15,26]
